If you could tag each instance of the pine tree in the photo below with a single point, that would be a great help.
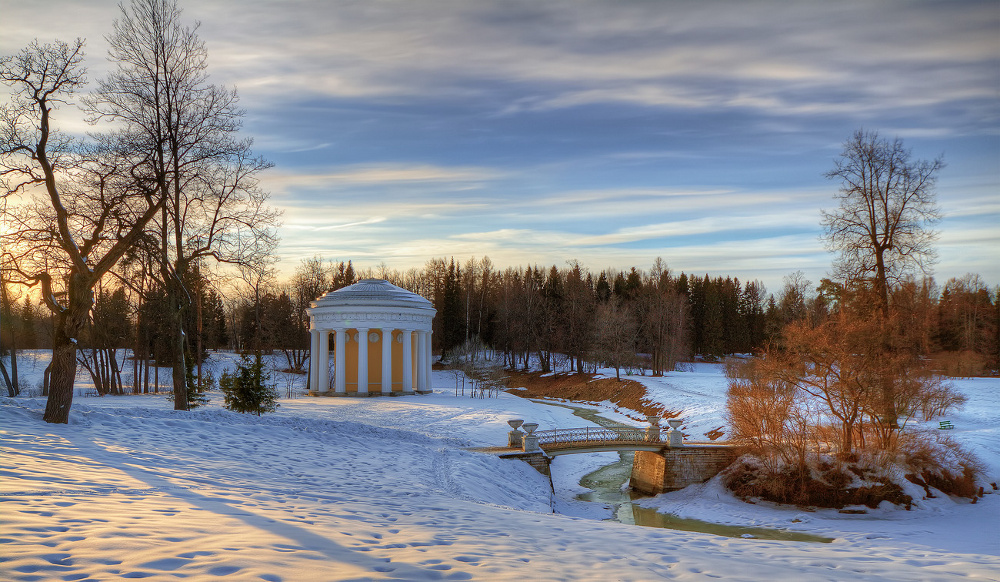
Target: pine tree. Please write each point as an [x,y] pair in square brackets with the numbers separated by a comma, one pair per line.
[713,333]
[452,310]
[29,331]
[249,389]
[682,284]
[603,289]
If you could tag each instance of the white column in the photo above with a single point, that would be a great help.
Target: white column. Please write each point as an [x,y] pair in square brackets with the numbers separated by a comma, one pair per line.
[407,361]
[313,359]
[362,360]
[430,358]
[340,365]
[323,377]
[386,360]
[421,356]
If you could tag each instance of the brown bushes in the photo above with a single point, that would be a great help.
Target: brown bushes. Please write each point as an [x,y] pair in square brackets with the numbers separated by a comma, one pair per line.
[937,461]
[961,364]
[927,458]
[824,486]
[842,391]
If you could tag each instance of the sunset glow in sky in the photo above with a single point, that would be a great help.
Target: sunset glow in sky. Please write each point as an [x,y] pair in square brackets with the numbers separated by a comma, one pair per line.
[608,132]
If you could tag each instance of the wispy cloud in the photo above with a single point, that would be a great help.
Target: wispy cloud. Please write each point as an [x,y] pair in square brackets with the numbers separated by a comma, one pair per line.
[717,55]
[379,174]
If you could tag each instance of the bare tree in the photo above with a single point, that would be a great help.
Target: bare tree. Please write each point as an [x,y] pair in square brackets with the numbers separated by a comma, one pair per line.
[70,235]
[615,330]
[759,410]
[187,131]
[887,204]
[882,228]
[663,318]
[579,306]
[311,280]
[8,340]
[794,297]
[844,366]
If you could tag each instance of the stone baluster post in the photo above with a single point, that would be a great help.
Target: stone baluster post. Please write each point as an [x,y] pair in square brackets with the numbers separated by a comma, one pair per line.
[530,440]
[515,438]
[676,437]
[653,431]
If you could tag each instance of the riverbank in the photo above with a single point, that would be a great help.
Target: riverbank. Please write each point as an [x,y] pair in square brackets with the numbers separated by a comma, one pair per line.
[628,395]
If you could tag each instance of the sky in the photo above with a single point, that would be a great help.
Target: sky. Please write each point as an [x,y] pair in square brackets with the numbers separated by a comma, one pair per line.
[610,133]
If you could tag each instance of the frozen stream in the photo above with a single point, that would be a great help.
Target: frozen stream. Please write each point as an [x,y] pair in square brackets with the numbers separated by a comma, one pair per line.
[607,486]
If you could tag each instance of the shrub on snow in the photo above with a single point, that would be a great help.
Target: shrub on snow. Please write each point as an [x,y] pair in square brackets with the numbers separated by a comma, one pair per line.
[249,389]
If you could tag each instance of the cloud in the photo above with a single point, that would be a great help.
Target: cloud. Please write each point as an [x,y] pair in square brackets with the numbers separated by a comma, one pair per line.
[324,225]
[308,148]
[373,175]
[763,55]
[607,131]
[559,55]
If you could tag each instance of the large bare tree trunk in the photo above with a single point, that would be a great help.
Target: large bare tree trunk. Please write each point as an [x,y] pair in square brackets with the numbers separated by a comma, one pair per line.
[70,325]
[63,373]
[179,367]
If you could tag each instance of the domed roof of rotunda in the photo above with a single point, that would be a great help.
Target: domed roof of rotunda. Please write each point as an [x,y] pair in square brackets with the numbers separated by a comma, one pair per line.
[372,292]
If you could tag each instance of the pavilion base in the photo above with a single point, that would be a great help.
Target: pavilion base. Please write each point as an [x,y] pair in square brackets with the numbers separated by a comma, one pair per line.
[331,393]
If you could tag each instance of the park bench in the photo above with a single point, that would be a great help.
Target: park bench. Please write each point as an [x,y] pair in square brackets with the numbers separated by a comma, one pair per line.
[945,425]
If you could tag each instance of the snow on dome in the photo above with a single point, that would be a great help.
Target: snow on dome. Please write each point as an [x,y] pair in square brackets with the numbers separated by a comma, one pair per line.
[375,292]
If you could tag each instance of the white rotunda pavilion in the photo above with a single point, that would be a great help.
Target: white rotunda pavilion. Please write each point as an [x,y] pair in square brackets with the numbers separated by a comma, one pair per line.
[382,341]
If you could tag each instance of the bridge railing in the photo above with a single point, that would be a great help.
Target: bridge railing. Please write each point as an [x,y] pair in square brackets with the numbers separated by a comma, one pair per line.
[593,434]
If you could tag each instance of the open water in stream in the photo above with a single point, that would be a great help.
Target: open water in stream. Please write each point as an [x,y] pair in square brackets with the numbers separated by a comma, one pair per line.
[607,488]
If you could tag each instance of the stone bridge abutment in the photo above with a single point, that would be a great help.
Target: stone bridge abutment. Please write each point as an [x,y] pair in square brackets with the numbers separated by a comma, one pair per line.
[677,467]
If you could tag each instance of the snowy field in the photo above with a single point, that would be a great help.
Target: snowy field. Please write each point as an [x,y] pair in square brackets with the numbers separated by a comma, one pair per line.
[384,489]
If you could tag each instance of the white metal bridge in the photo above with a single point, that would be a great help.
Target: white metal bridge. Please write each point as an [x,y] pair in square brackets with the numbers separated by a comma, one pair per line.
[592,439]
[563,441]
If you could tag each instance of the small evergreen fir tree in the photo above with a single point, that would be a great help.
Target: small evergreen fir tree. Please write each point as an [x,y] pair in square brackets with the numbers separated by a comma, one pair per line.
[195,395]
[249,389]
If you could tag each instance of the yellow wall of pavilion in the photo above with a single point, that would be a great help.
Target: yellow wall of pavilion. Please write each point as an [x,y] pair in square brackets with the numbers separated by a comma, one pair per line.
[375,361]
[397,361]
[351,359]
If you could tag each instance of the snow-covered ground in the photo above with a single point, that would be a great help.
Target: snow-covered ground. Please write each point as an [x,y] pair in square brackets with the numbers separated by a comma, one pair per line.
[384,488]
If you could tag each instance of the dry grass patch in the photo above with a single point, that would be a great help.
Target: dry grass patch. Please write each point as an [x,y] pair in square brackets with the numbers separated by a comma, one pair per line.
[627,394]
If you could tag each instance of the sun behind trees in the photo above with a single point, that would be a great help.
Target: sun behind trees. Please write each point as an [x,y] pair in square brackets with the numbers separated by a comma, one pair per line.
[84,214]
[169,185]
[828,402]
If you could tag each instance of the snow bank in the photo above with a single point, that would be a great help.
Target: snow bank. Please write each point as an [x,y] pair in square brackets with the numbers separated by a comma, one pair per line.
[384,488]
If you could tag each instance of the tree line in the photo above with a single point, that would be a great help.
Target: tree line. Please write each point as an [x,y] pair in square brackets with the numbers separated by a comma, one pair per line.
[566,318]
